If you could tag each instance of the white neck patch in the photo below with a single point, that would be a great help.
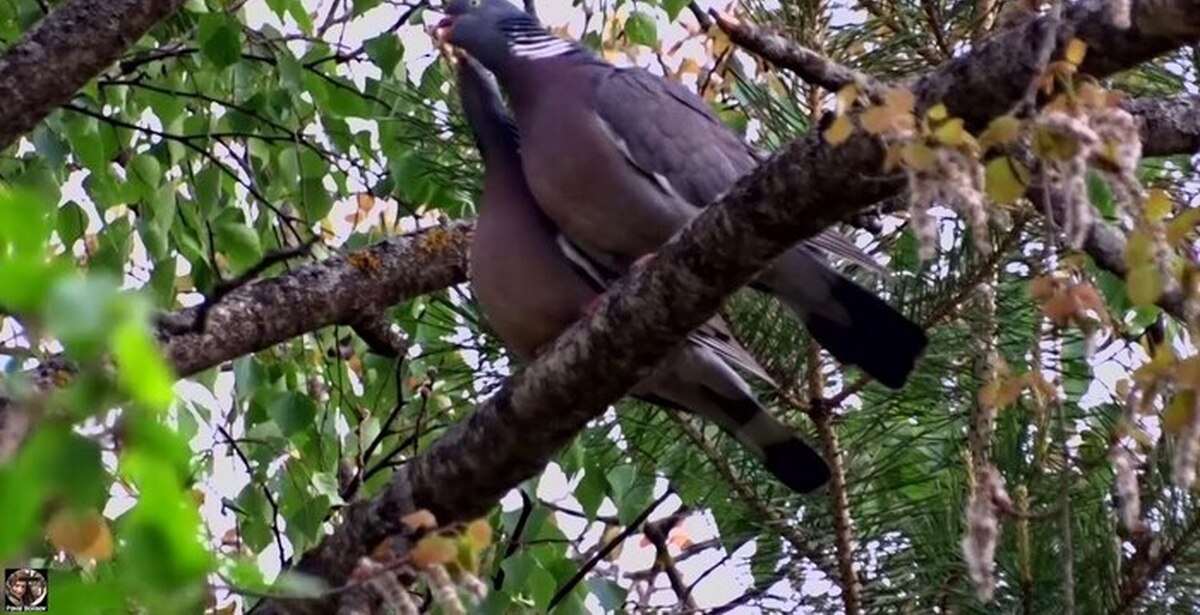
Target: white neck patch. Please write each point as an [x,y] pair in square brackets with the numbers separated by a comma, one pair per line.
[539,46]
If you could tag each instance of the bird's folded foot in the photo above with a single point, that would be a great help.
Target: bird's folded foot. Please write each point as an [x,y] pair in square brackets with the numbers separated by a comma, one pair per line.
[644,260]
[589,310]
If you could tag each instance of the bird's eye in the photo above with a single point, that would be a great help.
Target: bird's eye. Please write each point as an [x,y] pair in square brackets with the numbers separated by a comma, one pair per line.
[475,3]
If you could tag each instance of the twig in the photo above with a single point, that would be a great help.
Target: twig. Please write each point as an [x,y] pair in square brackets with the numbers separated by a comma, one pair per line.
[266,492]
[1133,587]
[587,567]
[380,337]
[701,16]
[842,527]
[609,519]
[804,546]
[514,542]
[786,53]
[656,533]
[1068,550]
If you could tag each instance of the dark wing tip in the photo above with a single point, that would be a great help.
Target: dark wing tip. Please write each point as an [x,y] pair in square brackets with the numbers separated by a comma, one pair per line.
[796,465]
[878,339]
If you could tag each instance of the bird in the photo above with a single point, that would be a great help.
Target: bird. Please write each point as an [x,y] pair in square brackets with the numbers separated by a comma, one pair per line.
[621,160]
[530,289]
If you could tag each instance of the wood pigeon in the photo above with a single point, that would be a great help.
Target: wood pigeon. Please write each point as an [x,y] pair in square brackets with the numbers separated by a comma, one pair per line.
[530,291]
[621,160]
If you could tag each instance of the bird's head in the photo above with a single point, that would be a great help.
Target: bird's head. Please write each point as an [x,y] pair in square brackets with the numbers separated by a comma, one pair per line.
[486,28]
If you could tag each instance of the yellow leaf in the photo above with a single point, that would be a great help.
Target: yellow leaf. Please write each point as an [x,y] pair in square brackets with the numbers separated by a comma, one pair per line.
[951,132]
[876,120]
[420,520]
[480,534]
[1179,228]
[1042,287]
[721,42]
[1053,145]
[1006,180]
[1158,205]
[937,112]
[900,100]
[846,97]
[1187,373]
[366,201]
[1092,95]
[84,535]
[1060,309]
[1144,285]
[434,550]
[839,130]
[892,158]
[918,156]
[1178,414]
[1076,50]
[688,67]
[1139,249]
[1002,131]
[611,533]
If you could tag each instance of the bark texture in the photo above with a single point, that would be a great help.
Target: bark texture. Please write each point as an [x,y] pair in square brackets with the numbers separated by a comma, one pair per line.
[794,195]
[65,50]
[342,289]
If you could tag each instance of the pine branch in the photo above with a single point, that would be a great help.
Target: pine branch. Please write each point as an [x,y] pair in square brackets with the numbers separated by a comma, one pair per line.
[839,500]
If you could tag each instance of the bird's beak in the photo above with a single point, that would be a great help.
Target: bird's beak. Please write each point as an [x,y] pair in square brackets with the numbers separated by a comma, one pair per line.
[442,30]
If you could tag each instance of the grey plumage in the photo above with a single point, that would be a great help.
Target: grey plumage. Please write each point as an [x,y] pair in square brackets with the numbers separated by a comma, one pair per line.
[529,291]
[620,160]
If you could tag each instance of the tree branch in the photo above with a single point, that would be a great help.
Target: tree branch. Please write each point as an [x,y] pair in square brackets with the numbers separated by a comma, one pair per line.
[783,52]
[65,50]
[338,290]
[794,195]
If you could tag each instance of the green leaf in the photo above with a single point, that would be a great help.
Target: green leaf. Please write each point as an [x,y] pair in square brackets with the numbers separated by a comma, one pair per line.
[207,187]
[293,412]
[23,501]
[239,242]
[141,368]
[325,483]
[50,146]
[673,8]
[160,536]
[610,595]
[220,39]
[1100,195]
[72,223]
[636,500]
[641,29]
[78,313]
[315,199]
[25,222]
[386,51]
[541,585]
[147,171]
[88,147]
[297,9]
[621,478]
[591,491]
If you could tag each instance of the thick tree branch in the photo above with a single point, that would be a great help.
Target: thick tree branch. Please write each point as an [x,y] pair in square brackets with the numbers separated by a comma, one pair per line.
[1168,126]
[644,316]
[339,290]
[64,51]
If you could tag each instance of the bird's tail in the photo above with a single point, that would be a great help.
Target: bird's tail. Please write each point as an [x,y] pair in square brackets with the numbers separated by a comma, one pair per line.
[698,382]
[854,325]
